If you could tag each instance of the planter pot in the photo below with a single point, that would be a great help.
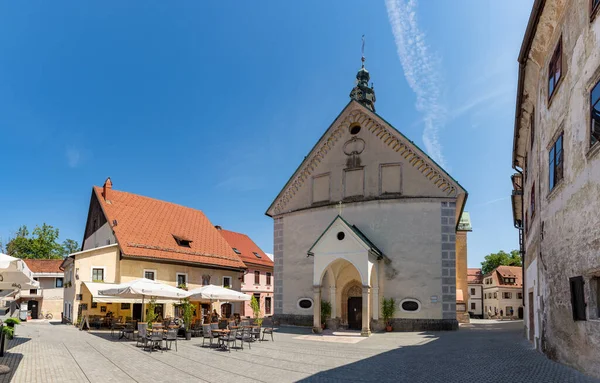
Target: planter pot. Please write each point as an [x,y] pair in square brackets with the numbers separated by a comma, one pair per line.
[388,328]
[188,335]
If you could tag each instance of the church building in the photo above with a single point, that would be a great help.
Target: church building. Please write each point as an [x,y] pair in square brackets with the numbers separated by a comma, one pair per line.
[367,215]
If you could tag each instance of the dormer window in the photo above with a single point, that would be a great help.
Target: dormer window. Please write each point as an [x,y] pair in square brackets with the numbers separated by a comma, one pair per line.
[181,241]
[256,254]
[236,250]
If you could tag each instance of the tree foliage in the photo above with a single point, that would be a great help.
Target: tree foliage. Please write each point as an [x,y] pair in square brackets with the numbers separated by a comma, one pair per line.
[41,244]
[501,258]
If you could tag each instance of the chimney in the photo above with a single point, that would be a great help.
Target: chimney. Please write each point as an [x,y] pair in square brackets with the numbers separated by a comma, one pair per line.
[106,189]
[218,227]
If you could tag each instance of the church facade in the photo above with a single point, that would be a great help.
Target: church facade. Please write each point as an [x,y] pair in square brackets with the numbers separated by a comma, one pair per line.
[367,216]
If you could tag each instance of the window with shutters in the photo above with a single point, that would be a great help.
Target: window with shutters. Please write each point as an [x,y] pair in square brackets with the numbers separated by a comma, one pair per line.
[577,298]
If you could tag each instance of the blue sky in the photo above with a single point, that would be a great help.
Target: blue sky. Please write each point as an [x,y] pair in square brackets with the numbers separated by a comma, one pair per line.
[213,105]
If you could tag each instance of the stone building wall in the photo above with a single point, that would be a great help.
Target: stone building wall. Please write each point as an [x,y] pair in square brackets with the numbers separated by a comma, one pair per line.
[563,224]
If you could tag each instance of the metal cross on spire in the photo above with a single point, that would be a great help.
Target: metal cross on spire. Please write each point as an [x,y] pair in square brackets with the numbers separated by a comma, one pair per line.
[362,50]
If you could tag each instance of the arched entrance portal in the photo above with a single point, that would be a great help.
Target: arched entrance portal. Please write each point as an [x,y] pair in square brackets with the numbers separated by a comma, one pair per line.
[341,285]
[352,305]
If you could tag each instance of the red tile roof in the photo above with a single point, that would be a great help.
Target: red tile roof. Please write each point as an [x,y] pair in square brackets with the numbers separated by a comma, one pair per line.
[44,265]
[247,248]
[501,272]
[147,227]
[474,276]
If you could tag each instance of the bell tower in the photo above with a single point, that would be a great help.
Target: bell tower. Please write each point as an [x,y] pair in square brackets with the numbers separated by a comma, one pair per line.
[361,92]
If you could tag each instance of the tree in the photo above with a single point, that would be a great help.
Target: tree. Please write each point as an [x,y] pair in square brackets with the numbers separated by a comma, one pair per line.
[501,258]
[255,306]
[42,244]
[70,246]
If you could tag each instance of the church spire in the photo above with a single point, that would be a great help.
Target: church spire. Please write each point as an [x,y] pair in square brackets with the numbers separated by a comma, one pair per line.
[361,92]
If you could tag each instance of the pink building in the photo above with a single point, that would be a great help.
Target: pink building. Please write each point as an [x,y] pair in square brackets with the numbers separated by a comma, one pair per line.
[258,279]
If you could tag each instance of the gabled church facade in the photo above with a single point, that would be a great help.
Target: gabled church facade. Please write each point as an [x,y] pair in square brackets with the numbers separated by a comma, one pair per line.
[367,216]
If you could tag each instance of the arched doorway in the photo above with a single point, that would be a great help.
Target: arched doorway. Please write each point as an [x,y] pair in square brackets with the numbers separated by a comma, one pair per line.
[352,305]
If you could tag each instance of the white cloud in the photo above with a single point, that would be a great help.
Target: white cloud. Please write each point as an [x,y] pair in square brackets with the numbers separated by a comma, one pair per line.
[420,70]
[73,157]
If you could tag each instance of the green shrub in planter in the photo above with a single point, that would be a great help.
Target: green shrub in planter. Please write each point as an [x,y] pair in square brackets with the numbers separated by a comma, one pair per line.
[9,332]
[11,322]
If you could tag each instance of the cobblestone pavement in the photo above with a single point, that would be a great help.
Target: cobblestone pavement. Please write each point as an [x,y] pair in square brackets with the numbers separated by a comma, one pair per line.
[487,352]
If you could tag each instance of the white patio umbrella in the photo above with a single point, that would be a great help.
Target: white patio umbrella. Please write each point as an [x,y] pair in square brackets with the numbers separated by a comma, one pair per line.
[218,293]
[15,275]
[142,288]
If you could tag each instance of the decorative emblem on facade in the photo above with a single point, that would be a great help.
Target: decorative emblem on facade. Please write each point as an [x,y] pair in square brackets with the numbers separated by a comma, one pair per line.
[389,137]
[352,148]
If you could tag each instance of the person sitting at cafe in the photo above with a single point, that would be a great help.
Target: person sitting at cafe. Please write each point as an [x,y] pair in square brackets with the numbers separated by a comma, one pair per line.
[215,316]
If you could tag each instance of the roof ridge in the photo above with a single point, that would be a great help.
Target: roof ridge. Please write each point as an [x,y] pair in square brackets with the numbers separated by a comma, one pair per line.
[152,198]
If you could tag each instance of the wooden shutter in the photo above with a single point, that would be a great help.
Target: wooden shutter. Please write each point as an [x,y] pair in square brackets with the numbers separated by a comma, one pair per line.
[577,298]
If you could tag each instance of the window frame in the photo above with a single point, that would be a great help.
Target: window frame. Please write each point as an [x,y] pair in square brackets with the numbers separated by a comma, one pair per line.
[268,277]
[268,307]
[506,295]
[62,282]
[177,275]
[257,276]
[558,49]
[577,290]
[153,271]
[230,281]
[473,306]
[256,254]
[594,140]
[532,129]
[532,201]
[206,277]
[103,268]
[593,10]
[419,306]
[553,181]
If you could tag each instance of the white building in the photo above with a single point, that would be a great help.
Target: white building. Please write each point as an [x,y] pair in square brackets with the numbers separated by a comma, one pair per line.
[475,281]
[367,215]
[503,293]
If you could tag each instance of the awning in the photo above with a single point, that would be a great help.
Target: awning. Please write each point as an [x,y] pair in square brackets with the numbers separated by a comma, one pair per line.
[94,287]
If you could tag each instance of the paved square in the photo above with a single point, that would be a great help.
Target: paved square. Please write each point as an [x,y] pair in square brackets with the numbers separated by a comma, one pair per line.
[493,352]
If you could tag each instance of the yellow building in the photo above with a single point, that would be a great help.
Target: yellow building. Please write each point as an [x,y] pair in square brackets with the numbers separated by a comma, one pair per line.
[127,237]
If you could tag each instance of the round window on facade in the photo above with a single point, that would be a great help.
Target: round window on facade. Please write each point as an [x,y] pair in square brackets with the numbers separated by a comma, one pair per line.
[341,235]
[410,305]
[305,303]
[354,129]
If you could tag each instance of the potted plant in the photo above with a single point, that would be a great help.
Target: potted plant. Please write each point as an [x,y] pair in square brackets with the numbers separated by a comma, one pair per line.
[388,308]
[325,312]
[255,305]
[150,314]
[188,313]
[11,323]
